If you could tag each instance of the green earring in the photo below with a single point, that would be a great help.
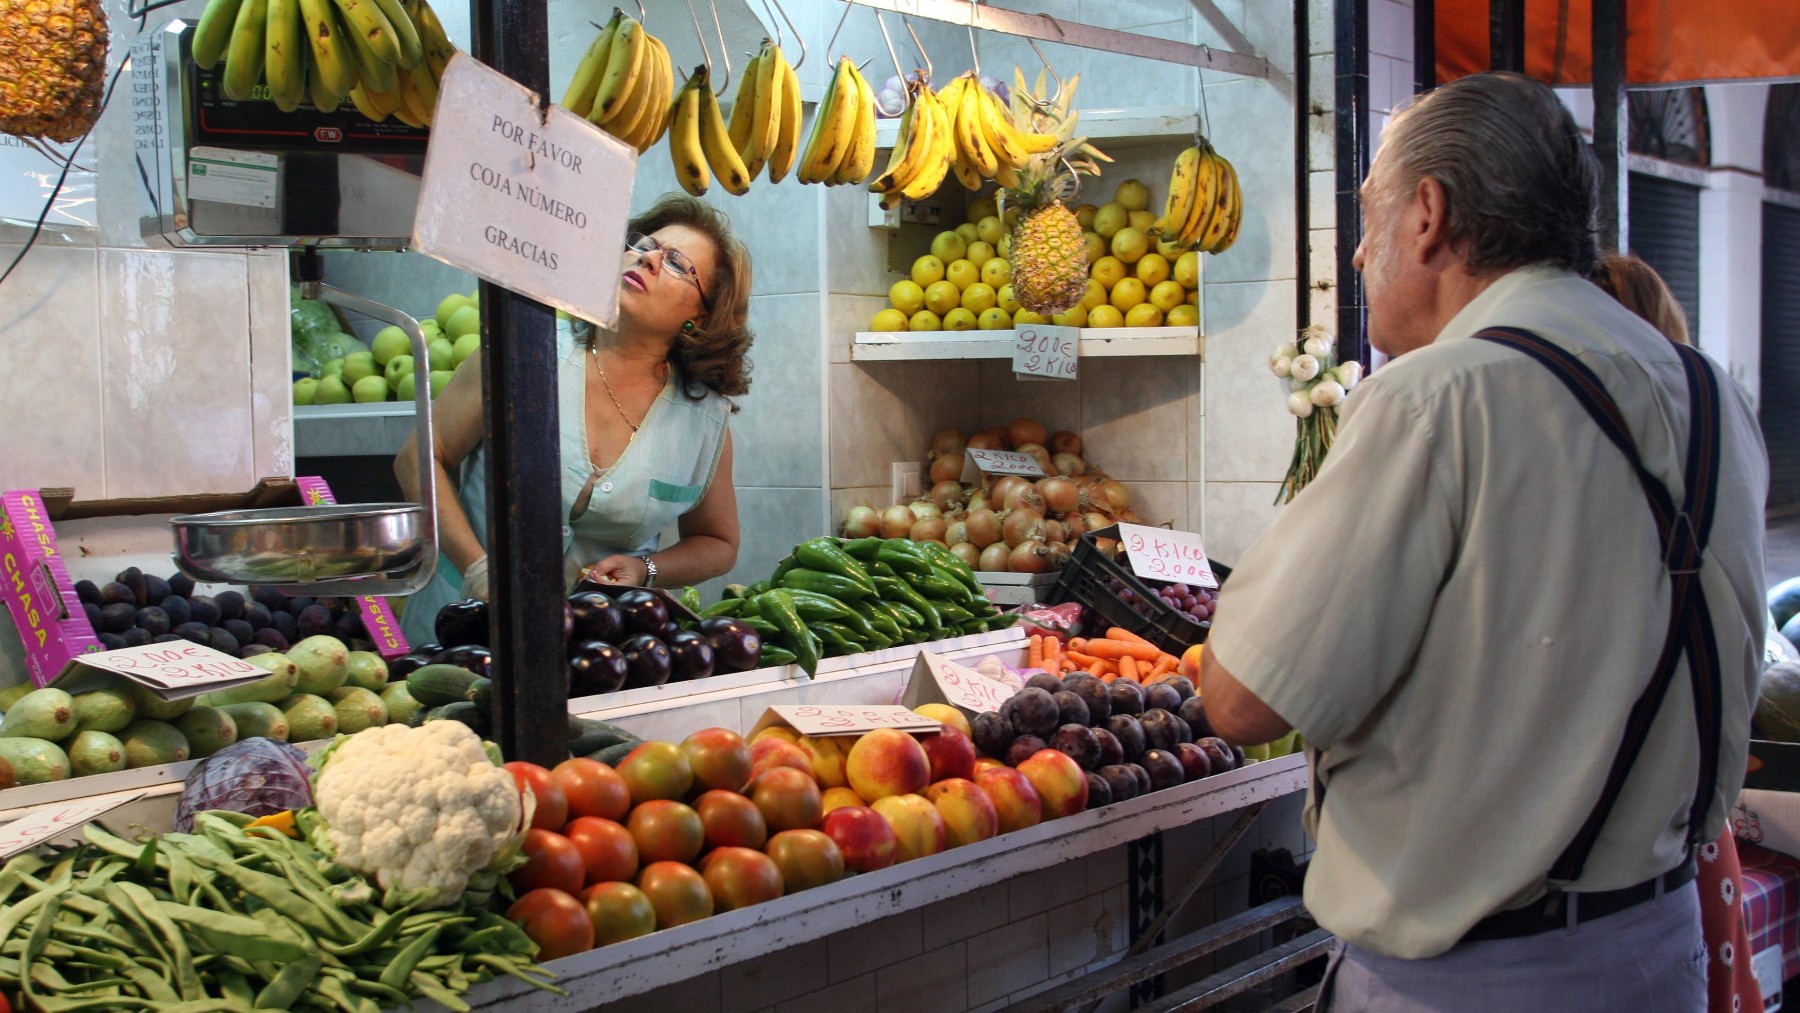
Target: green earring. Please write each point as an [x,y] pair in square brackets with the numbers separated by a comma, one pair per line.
[687,327]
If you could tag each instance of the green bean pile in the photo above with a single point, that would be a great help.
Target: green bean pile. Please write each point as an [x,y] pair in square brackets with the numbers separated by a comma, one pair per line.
[230,919]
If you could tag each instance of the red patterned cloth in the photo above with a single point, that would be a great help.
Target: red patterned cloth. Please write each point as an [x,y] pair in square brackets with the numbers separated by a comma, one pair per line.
[1771,902]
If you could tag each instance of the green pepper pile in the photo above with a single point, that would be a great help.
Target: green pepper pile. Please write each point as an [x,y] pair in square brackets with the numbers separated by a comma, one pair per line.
[232,919]
[838,596]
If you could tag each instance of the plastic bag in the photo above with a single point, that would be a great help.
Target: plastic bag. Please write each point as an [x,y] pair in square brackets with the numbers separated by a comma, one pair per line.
[256,777]
[309,318]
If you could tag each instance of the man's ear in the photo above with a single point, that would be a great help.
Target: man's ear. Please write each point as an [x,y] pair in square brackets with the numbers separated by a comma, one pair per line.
[1431,225]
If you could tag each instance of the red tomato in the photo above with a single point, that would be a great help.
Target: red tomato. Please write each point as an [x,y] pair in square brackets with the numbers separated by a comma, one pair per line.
[555,920]
[552,861]
[552,804]
[592,788]
[607,849]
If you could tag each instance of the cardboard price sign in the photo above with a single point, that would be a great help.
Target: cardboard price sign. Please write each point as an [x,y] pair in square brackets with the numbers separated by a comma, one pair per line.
[845,719]
[998,462]
[54,821]
[1161,554]
[172,670]
[937,679]
[1046,350]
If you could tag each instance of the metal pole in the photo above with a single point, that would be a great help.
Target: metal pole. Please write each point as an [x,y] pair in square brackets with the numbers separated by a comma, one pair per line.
[1506,35]
[524,487]
[1424,46]
[1611,128]
[1351,47]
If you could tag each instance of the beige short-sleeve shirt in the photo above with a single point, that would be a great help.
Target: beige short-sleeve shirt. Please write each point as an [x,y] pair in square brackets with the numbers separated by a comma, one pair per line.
[1460,610]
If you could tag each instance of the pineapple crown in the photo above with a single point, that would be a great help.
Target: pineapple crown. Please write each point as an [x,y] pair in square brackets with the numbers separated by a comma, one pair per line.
[1053,175]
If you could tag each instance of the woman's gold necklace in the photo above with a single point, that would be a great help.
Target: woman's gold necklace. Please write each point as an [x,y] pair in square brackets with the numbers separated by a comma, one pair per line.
[594,351]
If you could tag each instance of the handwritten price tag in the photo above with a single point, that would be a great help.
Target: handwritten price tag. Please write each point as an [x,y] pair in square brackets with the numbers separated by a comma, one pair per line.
[852,719]
[1046,350]
[1161,554]
[44,824]
[172,670]
[936,679]
[999,462]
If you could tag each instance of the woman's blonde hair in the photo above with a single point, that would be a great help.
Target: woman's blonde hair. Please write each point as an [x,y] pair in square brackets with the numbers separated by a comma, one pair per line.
[1636,285]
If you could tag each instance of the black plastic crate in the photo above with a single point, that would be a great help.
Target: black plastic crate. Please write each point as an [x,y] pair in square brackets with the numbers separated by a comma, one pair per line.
[1085,580]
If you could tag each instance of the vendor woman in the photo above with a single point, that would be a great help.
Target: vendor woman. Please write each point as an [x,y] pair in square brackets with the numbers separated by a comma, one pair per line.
[644,437]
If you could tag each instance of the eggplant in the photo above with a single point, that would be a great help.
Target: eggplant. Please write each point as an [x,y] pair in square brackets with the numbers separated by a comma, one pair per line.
[596,617]
[463,623]
[472,657]
[596,666]
[407,664]
[568,622]
[668,630]
[644,612]
[737,647]
[690,655]
[428,649]
[647,661]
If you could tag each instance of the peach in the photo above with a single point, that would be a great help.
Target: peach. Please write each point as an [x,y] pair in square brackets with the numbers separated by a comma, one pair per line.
[863,835]
[772,752]
[951,754]
[916,823]
[987,763]
[1061,785]
[967,812]
[944,714]
[782,732]
[837,798]
[887,762]
[1015,800]
[826,753]
[789,799]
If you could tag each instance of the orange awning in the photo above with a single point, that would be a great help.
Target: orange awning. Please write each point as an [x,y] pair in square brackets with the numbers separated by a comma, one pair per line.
[1668,41]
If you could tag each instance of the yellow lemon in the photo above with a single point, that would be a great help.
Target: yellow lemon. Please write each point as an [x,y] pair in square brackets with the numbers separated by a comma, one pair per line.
[888,320]
[1107,271]
[1096,295]
[1127,293]
[1132,195]
[967,232]
[1008,301]
[1105,316]
[959,319]
[907,296]
[983,207]
[1193,297]
[1084,215]
[996,272]
[1004,246]
[925,320]
[962,273]
[1152,269]
[942,296]
[1140,220]
[949,246]
[1187,269]
[990,228]
[1077,317]
[980,253]
[1025,316]
[1110,219]
[1183,316]
[979,298]
[1129,244]
[1144,315]
[1096,246]
[996,319]
[926,270]
[1166,295]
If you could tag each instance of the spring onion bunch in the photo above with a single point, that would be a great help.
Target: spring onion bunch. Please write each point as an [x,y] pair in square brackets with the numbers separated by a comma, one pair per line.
[1316,384]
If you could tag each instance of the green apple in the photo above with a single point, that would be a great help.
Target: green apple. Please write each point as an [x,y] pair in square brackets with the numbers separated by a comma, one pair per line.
[397,367]
[332,390]
[464,321]
[440,378]
[442,353]
[389,342]
[332,367]
[407,387]
[369,389]
[305,390]
[452,302]
[465,346]
[475,298]
[358,365]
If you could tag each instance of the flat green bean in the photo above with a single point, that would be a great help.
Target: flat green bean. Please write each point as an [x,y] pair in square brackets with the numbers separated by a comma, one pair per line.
[377,935]
[401,968]
[274,892]
[35,940]
[293,979]
[434,990]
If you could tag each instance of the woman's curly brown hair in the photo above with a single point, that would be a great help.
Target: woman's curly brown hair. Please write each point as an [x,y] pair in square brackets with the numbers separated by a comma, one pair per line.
[716,354]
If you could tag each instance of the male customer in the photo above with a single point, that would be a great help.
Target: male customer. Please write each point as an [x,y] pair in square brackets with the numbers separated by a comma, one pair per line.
[1472,669]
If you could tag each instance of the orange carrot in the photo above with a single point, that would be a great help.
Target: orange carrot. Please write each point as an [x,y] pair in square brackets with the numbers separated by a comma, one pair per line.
[1034,657]
[1097,669]
[1084,660]
[1113,649]
[1052,654]
[1164,665]
[1126,636]
[1128,669]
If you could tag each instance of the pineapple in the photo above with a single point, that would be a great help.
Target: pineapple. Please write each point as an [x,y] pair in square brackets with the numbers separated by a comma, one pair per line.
[1049,253]
[52,67]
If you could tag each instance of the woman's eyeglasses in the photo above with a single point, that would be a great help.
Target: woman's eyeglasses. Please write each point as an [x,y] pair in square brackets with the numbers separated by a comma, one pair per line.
[673,259]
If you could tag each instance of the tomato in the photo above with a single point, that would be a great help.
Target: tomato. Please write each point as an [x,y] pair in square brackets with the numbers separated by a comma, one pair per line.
[806,858]
[666,831]
[619,912]
[789,799]
[656,770]
[552,861]
[555,920]
[607,850]
[731,819]
[677,893]
[552,805]
[592,788]
[740,877]
[720,758]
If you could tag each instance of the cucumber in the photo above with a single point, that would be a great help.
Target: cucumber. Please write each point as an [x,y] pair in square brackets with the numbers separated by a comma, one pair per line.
[34,761]
[463,711]
[258,720]
[95,752]
[613,754]
[104,710]
[41,714]
[587,736]
[152,743]
[437,685]
[481,694]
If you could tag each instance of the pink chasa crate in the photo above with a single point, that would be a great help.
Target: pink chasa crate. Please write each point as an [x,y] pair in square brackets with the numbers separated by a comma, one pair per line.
[378,619]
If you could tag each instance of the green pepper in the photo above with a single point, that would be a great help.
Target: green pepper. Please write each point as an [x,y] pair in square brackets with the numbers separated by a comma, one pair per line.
[823,608]
[822,554]
[952,613]
[909,617]
[763,627]
[759,588]
[905,557]
[775,654]
[723,607]
[894,589]
[1001,621]
[880,569]
[735,591]
[838,639]
[947,560]
[690,596]
[881,619]
[864,549]
[829,584]
[941,587]
[778,606]
[782,566]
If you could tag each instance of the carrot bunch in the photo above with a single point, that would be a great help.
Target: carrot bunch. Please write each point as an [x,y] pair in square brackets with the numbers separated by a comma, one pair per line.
[1120,654]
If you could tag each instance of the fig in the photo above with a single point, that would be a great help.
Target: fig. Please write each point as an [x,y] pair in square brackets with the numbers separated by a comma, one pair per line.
[231,605]
[1024,748]
[1110,750]
[1071,708]
[992,733]
[1129,732]
[204,609]
[153,620]
[1077,742]
[1164,769]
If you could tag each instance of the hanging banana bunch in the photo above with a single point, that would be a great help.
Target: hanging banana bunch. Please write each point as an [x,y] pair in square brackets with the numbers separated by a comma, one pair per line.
[841,148]
[986,143]
[765,117]
[1205,205]
[922,152]
[624,83]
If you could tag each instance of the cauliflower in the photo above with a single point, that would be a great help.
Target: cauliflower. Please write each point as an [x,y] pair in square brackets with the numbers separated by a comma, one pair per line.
[421,810]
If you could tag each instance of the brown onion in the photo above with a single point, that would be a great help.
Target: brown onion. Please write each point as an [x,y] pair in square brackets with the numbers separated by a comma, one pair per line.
[1060,494]
[1002,489]
[1107,546]
[956,531]
[1038,454]
[1065,442]
[1072,526]
[1131,517]
[928,529]
[1025,496]
[1116,494]
[1060,555]
[1022,524]
[982,527]
[947,441]
[923,508]
[1024,431]
[978,500]
[1093,521]
[1054,531]
[1029,557]
[987,440]
[861,521]
[966,552]
[946,467]
[993,557]
[1005,438]
[947,495]
[1067,464]
[897,522]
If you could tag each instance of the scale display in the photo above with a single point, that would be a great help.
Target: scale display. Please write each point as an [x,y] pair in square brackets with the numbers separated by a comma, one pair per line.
[256,124]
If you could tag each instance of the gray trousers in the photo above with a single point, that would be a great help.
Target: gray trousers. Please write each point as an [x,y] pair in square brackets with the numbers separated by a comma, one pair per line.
[1645,959]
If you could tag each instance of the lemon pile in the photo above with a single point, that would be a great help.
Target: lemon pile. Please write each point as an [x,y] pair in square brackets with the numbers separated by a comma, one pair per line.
[1134,279]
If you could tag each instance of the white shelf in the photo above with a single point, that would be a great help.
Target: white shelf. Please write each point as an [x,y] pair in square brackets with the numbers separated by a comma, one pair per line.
[1116,126]
[1096,342]
[352,430]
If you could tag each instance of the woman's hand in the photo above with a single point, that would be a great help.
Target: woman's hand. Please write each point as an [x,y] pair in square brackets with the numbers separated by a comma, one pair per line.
[475,580]
[618,570]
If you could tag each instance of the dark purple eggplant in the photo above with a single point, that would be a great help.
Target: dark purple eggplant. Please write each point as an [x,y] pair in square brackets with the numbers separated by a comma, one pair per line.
[646,661]
[463,623]
[596,617]
[596,666]
[407,664]
[644,612]
[668,630]
[568,622]
[737,647]
[428,649]
[690,655]
[468,656]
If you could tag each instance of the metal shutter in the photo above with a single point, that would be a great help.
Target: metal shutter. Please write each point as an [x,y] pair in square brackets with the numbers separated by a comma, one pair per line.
[1780,411]
[1665,231]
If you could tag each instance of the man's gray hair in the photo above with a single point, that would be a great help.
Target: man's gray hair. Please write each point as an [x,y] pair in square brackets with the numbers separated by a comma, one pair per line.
[1520,181]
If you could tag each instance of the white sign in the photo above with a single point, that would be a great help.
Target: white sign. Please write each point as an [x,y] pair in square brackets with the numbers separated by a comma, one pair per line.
[936,679]
[532,199]
[845,719]
[172,670]
[1161,554]
[1046,350]
[54,821]
[998,462]
[233,177]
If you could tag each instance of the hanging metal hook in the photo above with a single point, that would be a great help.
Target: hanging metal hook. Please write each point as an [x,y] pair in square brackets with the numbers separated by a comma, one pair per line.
[974,50]
[799,36]
[926,57]
[1056,98]
[899,72]
[838,30]
[719,87]
[643,15]
[1205,123]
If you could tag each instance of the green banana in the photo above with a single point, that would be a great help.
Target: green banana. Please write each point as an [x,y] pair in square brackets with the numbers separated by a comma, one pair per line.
[214,32]
[374,34]
[284,54]
[406,33]
[244,57]
[374,72]
[331,56]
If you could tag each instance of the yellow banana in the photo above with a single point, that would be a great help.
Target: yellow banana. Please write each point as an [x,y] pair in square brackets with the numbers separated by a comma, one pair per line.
[833,123]
[1008,177]
[623,68]
[318,93]
[765,126]
[787,142]
[1237,211]
[406,33]
[244,57]
[1181,191]
[906,153]
[715,142]
[968,130]
[938,144]
[660,95]
[859,160]
[336,66]
[370,111]
[684,142]
[423,86]
[213,32]
[371,69]
[371,28]
[634,112]
[743,108]
[432,34]
[1206,198]
[994,133]
[579,97]
[1220,223]
[284,54]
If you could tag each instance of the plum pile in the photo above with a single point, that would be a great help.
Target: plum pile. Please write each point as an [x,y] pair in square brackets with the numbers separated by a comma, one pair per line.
[1193,601]
[136,608]
[1129,739]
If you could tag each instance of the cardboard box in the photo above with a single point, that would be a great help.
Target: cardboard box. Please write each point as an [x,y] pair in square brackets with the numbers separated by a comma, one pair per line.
[1004,588]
